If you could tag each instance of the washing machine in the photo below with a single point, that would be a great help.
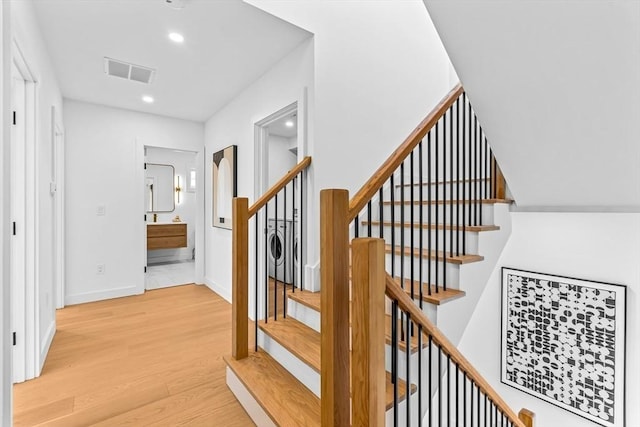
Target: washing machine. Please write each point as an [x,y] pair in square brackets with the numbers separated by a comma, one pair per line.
[280,249]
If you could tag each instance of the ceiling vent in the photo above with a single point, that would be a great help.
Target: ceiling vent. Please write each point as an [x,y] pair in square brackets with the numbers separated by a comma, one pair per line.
[125,70]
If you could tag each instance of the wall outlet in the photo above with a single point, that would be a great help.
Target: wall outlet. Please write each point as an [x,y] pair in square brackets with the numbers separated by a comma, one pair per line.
[101,210]
[100,269]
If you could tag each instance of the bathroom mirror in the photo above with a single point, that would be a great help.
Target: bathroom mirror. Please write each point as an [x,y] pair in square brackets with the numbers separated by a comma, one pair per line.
[159,188]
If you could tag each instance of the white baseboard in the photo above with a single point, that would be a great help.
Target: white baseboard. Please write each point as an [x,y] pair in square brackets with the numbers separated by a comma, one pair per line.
[102,295]
[312,277]
[223,292]
[46,345]
[253,408]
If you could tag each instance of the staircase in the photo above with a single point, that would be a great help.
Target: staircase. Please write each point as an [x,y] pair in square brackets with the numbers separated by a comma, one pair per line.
[435,208]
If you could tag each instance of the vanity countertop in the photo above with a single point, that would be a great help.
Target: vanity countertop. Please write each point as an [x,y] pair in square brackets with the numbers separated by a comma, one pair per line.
[165,223]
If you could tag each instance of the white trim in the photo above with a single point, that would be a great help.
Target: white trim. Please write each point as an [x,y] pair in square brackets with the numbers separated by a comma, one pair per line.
[248,402]
[6,389]
[57,139]
[124,291]
[31,225]
[577,209]
[223,292]
[46,343]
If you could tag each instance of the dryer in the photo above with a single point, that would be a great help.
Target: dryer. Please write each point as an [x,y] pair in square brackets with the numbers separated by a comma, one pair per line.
[280,249]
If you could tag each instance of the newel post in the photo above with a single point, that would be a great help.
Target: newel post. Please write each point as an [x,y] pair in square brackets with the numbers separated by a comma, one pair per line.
[367,329]
[240,273]
[527,417]
[334,318]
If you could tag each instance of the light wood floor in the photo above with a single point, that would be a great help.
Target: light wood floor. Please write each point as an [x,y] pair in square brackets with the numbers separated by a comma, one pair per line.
[152,359]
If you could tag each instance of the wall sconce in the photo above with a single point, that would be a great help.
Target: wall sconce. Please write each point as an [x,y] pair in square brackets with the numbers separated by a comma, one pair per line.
[178,189]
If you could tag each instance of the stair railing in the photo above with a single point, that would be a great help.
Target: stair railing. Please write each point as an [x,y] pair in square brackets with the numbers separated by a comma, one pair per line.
[444,171]
[441,387]
[278,254]
[460,172]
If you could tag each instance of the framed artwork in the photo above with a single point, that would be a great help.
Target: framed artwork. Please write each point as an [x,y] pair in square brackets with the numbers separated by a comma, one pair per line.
[563,341]
[225,186]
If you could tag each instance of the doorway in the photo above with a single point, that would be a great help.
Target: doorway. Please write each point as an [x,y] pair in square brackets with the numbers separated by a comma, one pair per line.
[170,207]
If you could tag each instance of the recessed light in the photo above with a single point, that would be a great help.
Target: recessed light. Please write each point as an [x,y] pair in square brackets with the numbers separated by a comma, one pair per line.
[289,123]
[148,99]
[176,37]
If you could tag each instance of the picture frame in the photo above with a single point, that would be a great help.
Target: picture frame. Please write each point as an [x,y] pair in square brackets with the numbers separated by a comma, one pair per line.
[563,340]
[225,185]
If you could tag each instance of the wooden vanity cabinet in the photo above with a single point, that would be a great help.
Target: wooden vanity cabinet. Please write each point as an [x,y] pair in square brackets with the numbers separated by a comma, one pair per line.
[166,236]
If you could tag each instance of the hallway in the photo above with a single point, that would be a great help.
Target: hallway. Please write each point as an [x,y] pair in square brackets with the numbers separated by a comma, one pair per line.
[151,359]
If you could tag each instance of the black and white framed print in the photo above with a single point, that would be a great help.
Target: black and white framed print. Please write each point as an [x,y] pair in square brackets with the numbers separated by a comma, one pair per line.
[563,341]
[225,186]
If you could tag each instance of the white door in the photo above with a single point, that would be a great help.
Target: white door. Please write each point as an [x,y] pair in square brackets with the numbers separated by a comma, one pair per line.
[18,218]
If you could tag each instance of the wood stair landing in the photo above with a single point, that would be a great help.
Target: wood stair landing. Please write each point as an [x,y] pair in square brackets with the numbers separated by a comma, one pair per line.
[285,399]
[304,343]
[455,259]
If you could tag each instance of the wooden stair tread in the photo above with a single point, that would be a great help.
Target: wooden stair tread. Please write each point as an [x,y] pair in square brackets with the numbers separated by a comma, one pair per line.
[299,339]
[471,228]
[456,259]
[285,399]
[450,202]
[436,298]
[304,343]
[306,298]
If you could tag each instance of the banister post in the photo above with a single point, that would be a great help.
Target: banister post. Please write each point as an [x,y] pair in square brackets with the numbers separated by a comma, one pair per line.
[367,329]
[500,184]
[334,318]
[527,417]
[240,281]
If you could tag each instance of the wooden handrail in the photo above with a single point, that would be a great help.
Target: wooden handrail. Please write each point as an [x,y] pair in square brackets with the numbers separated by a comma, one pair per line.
[405,303]
[377,180]
[279,186]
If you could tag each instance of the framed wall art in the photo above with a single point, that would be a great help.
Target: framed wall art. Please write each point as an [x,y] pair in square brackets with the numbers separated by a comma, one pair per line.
[225,186]
[563,341]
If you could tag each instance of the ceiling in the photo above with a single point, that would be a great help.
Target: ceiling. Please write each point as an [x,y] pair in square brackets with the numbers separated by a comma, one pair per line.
[279,127]
[228,45]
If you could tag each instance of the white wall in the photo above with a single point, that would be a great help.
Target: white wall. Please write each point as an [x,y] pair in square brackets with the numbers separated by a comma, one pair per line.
[378,69]
[182,161]
[104,167]
[5,155]
[594,246]
[556,86]
[281,160]
[234,124]
[26,33]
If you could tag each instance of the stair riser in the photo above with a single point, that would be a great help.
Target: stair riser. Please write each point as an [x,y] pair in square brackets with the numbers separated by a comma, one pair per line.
[304,314]
[444,237]
[444,190]
[452,270]
[299,369]
[248,402]
[442,210]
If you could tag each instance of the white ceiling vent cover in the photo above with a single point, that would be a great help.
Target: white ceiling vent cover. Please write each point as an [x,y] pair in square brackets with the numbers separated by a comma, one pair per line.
[126,70]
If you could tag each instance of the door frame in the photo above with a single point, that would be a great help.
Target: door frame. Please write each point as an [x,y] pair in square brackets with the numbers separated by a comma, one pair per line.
[57,192]
[199,244]
[31,307]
